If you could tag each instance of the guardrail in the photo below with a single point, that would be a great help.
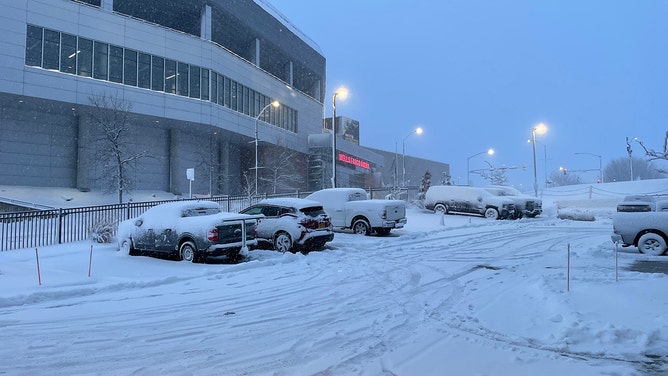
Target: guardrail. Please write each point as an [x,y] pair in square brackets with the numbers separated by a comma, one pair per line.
[39,228]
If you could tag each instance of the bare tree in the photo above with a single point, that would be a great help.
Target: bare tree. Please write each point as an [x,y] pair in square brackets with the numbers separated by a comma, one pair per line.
[110,115]
[655,155]
[281,168]
[620,170]
[563,177]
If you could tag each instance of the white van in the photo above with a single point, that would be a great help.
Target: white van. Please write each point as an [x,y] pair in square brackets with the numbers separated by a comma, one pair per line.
[468,200]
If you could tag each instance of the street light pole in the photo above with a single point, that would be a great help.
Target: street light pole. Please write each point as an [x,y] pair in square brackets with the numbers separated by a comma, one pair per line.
[541,128]
[275,104]
[600,164]
[341,92]
[403,155]
[468,163]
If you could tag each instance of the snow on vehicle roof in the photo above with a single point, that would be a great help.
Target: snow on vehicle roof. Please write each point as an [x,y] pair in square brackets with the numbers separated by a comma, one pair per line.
[177,208]
[298,203]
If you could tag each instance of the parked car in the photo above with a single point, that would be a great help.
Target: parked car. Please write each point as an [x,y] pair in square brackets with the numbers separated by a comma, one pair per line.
[525,205]
[647,230]
[189,230]
[350,208]
[291,224]
[640,203]
[468,200]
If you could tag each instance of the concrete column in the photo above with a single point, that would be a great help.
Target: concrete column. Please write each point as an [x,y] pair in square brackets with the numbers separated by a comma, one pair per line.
[177,172]
[205,22]
[85,157]
[289,73]
[108,5]
[255,52]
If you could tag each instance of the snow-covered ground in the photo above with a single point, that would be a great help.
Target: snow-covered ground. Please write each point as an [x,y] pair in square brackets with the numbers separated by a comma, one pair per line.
[446,295]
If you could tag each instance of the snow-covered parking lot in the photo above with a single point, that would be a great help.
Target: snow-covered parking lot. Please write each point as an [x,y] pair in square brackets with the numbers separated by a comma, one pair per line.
[450,295]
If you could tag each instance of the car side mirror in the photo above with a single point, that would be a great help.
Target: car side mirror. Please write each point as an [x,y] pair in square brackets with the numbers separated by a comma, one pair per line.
[479,199]
[138,222]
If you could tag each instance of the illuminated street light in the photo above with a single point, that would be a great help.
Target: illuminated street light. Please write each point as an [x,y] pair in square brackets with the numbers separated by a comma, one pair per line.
[343,93]
[468,160]
[600,165]
[417,131]
[541,129]
[274,104]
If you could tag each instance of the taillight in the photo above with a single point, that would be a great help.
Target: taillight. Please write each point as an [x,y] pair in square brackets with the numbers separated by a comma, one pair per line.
[383,215]
[212,235]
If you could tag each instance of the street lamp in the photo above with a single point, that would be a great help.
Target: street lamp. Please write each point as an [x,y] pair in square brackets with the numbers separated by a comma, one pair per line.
[468,160]
[541,129]
[417,131]
[275,104]
[343,93]
[544,161]
[600,169]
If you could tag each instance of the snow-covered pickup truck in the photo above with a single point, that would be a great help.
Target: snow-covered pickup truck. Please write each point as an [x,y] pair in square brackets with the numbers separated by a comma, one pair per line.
[349,208]
[646,230]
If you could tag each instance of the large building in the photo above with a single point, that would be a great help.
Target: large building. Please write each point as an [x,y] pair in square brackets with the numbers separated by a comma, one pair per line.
[163,86]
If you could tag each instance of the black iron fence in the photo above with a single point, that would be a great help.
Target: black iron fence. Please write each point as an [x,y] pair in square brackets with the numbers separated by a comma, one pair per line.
[39,228]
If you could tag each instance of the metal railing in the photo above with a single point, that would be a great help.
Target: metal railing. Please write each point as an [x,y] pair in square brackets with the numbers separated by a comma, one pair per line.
[39,228]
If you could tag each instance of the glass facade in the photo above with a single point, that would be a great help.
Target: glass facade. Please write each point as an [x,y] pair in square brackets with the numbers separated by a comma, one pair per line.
[50,49]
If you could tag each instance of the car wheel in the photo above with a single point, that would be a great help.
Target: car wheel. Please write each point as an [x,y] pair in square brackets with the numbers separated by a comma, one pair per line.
[126,247]
[361,227]
[491,213]
[282,242]
[187,252]
[652,244]
[440,208]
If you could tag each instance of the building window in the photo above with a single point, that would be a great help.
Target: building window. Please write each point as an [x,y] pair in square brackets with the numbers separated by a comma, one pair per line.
[34,46]
[51,57]
[144,71]
[205,84]
[170,76]
[100,60]
[194,81]
[85,57]
[115,64]
[68,53]
[130,68]
[182,77]
[158,74]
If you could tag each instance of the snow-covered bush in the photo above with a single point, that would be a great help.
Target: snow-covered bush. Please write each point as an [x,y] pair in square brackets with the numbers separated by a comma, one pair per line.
[102,231]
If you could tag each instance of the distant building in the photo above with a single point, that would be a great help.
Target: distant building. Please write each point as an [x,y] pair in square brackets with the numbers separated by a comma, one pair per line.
[198,75]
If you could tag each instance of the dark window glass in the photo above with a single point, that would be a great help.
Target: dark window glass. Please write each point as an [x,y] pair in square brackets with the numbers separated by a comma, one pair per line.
[158,74]
[194,81]
[227,92]
[85,58]
[244,100]
[68,53]
[97,3]
[205,84]
[233,95]
[170,76]
[115,64]
[101,61]
[144,71]
[130,68]
[214,87]
[34,46]
[182,84]
[221,93]
[240,93]
[51,49]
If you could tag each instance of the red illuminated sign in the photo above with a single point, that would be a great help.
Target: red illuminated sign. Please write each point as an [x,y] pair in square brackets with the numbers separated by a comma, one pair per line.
[354,161]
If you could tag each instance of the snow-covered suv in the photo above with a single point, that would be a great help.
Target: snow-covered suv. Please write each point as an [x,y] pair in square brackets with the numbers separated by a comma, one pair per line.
[525,205]
[291,224]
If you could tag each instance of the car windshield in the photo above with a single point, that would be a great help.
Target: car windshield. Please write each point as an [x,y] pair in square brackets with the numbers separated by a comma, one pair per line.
[195,212]
[313,211]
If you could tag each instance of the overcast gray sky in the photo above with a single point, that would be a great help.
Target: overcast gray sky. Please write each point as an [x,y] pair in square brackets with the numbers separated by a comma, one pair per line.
[479,74]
